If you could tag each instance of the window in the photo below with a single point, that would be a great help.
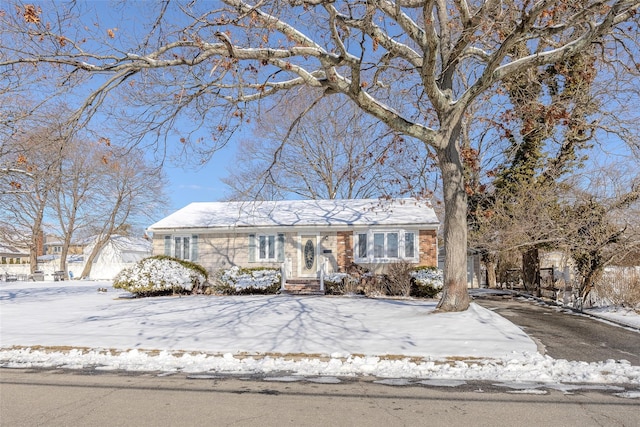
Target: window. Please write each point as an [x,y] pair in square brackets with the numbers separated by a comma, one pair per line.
[266,248]
[385,246]
[182,247]
[378,245]
[392,245]
[409,245]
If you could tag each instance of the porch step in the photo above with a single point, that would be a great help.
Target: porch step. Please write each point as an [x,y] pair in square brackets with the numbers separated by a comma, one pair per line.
[302,287]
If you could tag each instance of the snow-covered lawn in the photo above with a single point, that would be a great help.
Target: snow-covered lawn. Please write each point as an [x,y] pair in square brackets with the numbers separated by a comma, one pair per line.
[620,315]
[72,324]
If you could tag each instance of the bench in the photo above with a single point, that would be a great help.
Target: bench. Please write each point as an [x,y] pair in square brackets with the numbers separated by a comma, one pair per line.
[10,277]
[58,276]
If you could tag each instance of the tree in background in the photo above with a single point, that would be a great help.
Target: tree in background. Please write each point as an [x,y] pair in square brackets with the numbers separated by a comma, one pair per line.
[418,67]
[37,155]
[90,189]
[333,151]
[80,181]
[129,188]
[602,225]
[551,130]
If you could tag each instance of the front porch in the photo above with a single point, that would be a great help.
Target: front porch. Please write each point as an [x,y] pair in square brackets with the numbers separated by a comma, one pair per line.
[311,283]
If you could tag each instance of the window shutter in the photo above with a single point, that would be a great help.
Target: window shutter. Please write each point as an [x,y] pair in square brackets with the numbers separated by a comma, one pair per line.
[252,247]
[280,247]
[194,248]
[409,245]
[362,246]
[167,245]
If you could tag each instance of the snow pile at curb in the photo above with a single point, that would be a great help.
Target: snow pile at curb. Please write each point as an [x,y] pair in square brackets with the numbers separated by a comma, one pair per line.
[524,368]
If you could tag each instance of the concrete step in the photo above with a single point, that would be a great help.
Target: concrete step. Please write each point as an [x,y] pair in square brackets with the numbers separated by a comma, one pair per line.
[302,287]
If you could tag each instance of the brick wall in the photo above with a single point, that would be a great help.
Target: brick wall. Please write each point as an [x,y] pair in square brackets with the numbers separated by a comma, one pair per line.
[345,249]
[428,248]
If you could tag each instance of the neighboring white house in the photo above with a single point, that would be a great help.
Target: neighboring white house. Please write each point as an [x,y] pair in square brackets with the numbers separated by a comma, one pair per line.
[119,252]
[307,235]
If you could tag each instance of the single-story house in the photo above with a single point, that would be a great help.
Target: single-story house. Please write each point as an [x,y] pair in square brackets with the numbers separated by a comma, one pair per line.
[304,236]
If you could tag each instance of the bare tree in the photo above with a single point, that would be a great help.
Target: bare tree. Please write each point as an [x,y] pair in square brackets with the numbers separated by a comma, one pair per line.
[332,151]
[80,180]
[417,66]
[550,124]
[38,157]
[602,225]
[128,189]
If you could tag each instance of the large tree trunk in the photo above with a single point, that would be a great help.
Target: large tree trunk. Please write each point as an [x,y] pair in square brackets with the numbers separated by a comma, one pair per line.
[63,259]
[34,243]
[66,244]
[490,265]
[86,271]
[454,294]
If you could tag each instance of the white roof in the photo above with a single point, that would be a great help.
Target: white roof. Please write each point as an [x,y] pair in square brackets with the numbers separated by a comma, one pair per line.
[122,244]
[8,249]
[304,213]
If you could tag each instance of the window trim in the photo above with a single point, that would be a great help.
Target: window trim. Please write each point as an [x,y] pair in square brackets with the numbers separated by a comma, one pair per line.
[371,249]
[274,245]
[270,244]
[170,246]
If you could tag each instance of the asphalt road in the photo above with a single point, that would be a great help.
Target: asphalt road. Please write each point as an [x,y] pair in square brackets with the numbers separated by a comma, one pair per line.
[563,334]
[80,398]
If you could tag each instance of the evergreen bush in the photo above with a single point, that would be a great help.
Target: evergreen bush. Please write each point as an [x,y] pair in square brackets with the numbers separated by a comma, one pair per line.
[426,282]
[247,281]
[162,275]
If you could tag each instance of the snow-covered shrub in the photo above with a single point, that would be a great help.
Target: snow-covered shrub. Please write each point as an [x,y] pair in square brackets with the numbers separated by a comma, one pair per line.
[161,275]
[237,281]
[347,284]
[426,282]
[334,283]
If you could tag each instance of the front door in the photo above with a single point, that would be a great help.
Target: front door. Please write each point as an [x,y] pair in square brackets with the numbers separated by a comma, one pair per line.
[309,256]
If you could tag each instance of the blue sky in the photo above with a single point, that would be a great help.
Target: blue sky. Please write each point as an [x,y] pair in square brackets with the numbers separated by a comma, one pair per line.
[199,183]
[188,181]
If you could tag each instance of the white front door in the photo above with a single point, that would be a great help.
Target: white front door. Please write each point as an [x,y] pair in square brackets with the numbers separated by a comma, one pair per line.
[308,256]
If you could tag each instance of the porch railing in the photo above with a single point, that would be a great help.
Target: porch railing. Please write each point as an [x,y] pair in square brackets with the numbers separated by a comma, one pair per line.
[285,272]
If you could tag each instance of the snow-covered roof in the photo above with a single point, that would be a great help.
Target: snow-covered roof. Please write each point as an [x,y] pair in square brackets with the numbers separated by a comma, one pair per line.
[305,213]
[122,244]
[11,250]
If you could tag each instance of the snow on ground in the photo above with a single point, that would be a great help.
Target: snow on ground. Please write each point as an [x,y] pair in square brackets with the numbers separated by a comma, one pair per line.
[71,324]
[621,315]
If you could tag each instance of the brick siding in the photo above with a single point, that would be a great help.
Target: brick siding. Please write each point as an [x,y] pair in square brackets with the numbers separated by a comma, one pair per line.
[428,248]
[345,250]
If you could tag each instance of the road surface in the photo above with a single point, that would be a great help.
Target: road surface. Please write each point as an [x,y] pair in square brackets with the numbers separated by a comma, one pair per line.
[89,398]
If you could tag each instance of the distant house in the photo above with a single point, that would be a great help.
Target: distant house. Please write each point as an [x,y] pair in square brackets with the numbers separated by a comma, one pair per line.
[11,255]
[52,245]
[302,235]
